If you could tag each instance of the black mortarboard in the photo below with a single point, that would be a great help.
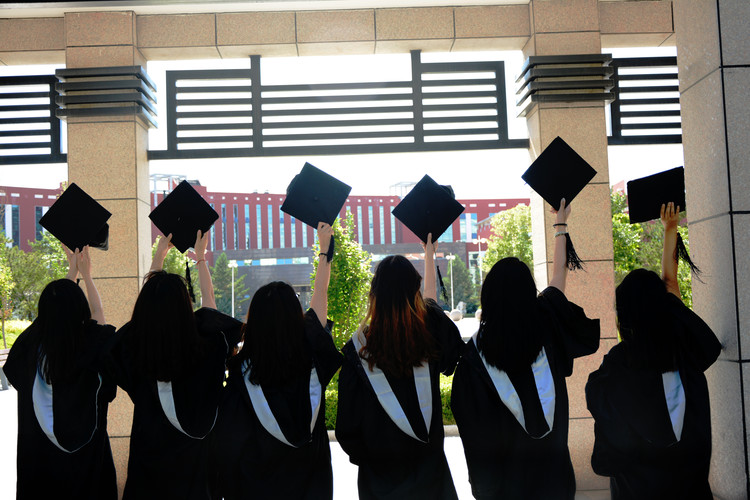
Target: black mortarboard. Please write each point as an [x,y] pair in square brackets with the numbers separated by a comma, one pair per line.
[313,196]
[647,194]
[77,220]
[428,208]
[182,213]
[559,172]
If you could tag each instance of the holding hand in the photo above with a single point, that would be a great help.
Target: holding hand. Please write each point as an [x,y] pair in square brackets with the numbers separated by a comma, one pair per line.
[670,215]
[83,261]
[72,265]
[563,213]
[430,247]
[200,245]
[163,244]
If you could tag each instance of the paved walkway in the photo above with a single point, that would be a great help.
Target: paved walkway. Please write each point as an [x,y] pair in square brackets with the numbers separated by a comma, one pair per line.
[345,474]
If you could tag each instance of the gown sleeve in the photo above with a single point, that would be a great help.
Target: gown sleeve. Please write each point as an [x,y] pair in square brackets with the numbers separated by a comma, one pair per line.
[450,344]
[577,335]
[328,358]
[698,340]
[349,416]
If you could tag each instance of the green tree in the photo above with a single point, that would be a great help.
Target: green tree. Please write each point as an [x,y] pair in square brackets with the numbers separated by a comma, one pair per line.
[221,275]
[511,237]
[464,289]
[30,271]
[350,281]
[6,287]
[50,253]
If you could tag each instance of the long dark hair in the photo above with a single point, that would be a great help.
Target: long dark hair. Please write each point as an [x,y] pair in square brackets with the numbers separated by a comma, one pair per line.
[397,335]
[58,330]
[648,329]
[163,334]
[509,330]
[274,336]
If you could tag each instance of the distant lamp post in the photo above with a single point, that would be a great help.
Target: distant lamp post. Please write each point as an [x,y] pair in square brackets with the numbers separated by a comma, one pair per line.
[479,242]
[451,258]
[232,265]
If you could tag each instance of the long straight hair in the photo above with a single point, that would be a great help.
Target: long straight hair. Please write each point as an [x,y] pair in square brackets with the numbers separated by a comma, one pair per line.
[163,333]
[58,330]
[397,335]
[274,336]
[509,330]
[648,330]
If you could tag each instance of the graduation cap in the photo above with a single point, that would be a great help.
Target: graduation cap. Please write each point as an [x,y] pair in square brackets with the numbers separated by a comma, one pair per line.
[182,213]
[77,220]
[314,196]
[429,208]
[646,196]
[559,172]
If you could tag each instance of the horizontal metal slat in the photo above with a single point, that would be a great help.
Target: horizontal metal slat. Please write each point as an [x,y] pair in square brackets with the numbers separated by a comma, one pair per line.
[338,123]
[648,114]
[336,111]
[641,90]
[25,107]
[640,126]
[335,86]
[214,126]
[199,140]
[471,131]
[332,136]
[24,133]
[134,97]
[25,145]
[459,107]
[16,121]
[213,114]
[648,76]
[459,119]
[213,102]
[209,74]
[655,101]
[213,90]
[329,98]
[96,86]
[73,73]
[23,95]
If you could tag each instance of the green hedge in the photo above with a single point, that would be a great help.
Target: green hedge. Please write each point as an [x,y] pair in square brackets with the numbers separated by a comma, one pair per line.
[332,393]
[13,328]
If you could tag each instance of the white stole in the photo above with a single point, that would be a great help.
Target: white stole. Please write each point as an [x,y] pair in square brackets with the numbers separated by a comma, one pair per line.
[545,388]
[166,398]
[388,399]
[674,393]
[263,409]
[41,396]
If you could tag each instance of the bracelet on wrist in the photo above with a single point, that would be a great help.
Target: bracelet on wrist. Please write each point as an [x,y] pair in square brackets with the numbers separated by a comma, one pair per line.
[199,261]
[559,224]
[323,254]
[560,233]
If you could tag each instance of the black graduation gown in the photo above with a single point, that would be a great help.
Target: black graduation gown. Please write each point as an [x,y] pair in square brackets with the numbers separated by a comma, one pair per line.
[635,444]
[254,464]
[164,462]
[505,461]
[79,405]
[392,464]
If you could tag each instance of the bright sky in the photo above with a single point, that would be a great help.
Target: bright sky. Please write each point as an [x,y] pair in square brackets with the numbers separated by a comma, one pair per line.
[473,174]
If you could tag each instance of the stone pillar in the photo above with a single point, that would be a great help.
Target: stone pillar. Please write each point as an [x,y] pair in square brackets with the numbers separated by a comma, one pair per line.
[572,27]
[107,158]
[713,55]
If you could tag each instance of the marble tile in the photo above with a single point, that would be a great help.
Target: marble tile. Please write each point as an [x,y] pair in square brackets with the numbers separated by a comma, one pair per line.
[704,147]
[34,57]
[102,56]
[635,17]
[414,24]
[734,16]
[336,26]
[255,28]
[492,21]
[551,44]
[99,28]
[581,445]
[714,297]
[491,43]
[120,415]
[727,474]
[118,295]
[176,53]
[737,125]
[35,34]
[697,33]
[120,454]
[336,48]
[401,46]
[582,368]
[176,30]
[617,40]
[594,290]
[742,259]
[557,16]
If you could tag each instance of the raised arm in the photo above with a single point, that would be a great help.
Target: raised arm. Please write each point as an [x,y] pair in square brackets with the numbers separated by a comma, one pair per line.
[72,264]
[204,275]
[319,302]
[559,258]
[162,247]
[670,219]
[83,262]
[430,284]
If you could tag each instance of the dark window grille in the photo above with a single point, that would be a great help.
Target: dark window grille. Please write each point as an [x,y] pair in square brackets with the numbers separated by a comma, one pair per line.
[445,106]
[29,129]
[647,107]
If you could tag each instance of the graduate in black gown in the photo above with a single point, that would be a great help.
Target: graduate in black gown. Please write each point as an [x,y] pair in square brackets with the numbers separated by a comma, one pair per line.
[271,436]
[649,398]
[171,361]
[509,393]
[389,418]
[63,446]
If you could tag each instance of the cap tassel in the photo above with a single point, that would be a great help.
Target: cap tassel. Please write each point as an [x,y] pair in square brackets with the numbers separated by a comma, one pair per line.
[572,260]
[443,291]
[681,252]
[331,246]
[189,281]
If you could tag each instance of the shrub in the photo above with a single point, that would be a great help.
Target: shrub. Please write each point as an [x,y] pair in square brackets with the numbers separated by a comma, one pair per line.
[14,328]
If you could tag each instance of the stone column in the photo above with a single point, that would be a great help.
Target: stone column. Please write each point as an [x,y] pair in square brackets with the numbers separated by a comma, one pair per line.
[713,55]
[572,27]
[107,158]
